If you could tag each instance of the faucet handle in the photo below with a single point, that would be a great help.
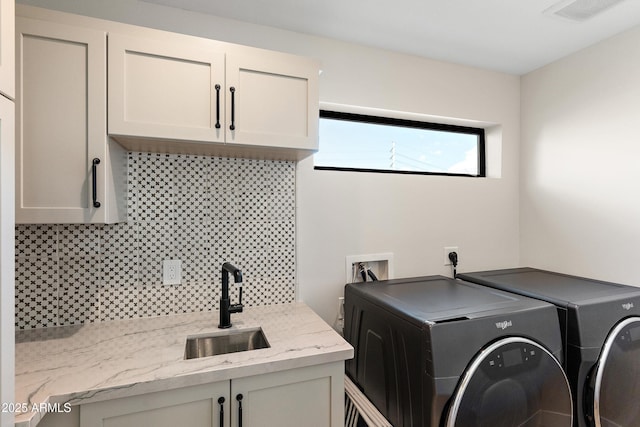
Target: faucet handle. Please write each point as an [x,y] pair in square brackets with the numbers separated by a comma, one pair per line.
[237,308]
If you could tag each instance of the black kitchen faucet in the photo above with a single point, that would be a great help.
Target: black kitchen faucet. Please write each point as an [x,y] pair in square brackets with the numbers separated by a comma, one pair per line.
[226,308]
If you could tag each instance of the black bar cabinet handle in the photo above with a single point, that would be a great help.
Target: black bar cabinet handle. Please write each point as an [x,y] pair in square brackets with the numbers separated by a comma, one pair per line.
[233,107]
[239,399]
[221,403]
[94,178]
[217,106]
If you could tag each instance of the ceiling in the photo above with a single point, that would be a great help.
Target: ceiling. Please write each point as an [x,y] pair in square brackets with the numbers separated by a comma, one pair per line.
[512,36]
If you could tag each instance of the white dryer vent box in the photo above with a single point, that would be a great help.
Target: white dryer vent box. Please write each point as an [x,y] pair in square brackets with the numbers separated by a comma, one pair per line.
[580,10]
[381,265]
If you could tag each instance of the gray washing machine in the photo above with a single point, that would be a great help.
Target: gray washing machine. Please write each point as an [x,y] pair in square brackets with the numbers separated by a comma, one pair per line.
[438,352]
[600,323]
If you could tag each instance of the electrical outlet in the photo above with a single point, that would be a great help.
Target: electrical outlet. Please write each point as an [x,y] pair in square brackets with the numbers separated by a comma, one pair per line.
[171,272]
[447,251]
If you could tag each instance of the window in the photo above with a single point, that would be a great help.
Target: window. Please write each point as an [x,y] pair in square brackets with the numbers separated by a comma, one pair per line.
[357,142]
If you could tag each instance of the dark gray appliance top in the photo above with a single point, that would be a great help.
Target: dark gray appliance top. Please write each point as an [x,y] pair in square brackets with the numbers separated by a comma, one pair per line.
[438,298]
[559,289]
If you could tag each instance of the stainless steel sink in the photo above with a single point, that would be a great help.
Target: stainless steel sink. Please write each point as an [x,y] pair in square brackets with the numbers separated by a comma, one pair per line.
[225,342]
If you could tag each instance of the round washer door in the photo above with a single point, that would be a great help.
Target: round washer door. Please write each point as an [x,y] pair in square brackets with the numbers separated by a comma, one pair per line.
[615,380]
[512,382]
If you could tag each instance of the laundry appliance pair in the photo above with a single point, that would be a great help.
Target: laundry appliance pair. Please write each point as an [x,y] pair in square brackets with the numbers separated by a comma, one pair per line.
[503,348]
[438,352]
[600,325]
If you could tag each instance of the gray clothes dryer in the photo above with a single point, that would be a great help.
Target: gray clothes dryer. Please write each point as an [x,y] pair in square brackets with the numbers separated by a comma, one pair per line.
[438,352]
[600,323]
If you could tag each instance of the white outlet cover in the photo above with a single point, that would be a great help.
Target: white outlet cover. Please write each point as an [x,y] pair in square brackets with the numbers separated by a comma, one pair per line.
[171,272]
[449,249]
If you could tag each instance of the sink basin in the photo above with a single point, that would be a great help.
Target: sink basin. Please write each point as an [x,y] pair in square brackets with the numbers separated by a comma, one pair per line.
[225,342]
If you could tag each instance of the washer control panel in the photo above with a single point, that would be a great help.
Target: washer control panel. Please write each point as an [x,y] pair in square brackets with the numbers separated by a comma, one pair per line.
[510,357]
[629,337]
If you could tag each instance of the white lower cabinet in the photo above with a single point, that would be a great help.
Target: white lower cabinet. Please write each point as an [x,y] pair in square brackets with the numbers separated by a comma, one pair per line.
[198,406]
[311,396]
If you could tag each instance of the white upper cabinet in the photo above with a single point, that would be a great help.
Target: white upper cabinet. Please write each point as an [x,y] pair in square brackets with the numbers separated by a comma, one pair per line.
[7,53]
[61,116]
[164,90]
[236,95]
[272,100]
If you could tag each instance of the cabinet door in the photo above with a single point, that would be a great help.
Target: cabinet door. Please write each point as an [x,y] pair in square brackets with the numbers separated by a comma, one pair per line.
[7,46]
[163,90]
[196,406]
[61,116]
[310,397]
[274,100]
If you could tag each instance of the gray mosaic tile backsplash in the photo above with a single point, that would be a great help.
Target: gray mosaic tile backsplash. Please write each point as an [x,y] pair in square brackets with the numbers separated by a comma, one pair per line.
[198,209]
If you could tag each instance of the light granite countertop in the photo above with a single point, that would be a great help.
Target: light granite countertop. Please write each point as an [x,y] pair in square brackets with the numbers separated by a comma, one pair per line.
[100,361]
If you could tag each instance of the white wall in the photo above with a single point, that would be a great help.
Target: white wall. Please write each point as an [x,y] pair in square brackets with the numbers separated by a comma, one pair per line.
[342,213]
[580,179]
[414,217]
